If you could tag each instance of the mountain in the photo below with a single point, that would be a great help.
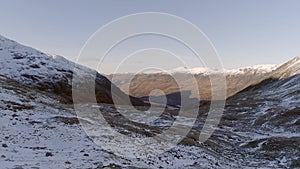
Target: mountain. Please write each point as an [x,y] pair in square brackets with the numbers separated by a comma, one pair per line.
[40,128]
[52,73]
[267,117]
[260,124]
[286,70]
[142,84]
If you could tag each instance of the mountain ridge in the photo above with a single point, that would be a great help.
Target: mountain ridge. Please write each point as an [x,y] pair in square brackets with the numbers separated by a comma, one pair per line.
[140,85]
[52,73]
[261,68]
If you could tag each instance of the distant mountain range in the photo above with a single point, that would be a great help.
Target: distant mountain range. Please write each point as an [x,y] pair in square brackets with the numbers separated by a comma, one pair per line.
[140,85]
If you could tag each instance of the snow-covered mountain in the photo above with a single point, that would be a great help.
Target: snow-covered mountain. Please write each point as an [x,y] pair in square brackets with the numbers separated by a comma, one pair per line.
[256,69]
[51,72]
[38,130]
[267,117]
[141,85]
[32,66]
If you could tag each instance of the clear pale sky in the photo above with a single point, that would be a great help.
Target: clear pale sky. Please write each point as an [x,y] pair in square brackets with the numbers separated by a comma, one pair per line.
[243,32]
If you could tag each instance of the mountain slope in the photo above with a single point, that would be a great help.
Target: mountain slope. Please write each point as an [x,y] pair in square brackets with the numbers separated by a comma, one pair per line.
[260,124]
[142,84]
[267,115]
[38,131]
[288,69]
[51,73]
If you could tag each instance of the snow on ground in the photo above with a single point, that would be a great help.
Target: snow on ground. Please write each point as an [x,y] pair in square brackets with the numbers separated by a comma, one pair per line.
[38,131]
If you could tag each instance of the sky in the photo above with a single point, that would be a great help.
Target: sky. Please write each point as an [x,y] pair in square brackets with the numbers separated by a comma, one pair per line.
[244,33]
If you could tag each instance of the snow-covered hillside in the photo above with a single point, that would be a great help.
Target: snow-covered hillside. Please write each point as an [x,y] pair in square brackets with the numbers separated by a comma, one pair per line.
[32,66]
[267,115]
[37,131]
[51,73]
